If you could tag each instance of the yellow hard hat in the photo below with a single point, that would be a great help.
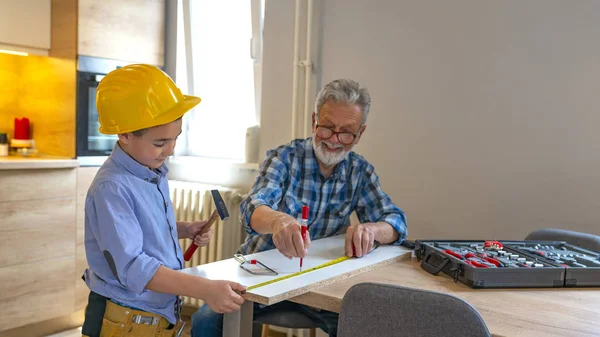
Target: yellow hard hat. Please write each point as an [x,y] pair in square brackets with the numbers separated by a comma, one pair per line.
[139,96]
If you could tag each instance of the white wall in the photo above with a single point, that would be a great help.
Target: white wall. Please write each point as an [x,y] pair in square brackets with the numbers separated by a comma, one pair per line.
[484,114]
[278,43]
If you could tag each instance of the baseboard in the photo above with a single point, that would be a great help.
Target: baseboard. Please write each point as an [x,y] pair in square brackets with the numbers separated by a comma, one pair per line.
[48,327]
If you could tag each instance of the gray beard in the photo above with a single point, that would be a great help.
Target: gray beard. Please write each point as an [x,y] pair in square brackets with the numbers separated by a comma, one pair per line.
[328,159]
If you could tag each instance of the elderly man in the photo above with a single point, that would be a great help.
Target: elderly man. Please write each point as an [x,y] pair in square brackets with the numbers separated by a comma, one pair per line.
[324,173]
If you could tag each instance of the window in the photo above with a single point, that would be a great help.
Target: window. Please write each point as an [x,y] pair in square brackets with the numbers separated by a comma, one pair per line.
[219,61]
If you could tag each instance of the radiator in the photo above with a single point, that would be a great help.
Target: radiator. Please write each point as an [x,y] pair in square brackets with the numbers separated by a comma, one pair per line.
[193,201]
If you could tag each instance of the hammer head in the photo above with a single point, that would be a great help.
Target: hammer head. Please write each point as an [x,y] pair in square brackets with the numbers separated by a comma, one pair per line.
[220,204]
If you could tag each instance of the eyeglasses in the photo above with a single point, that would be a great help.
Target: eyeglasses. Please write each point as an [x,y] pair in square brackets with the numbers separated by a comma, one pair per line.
[346,138]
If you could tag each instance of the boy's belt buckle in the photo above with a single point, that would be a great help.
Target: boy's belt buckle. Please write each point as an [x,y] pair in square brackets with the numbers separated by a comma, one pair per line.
[148,320]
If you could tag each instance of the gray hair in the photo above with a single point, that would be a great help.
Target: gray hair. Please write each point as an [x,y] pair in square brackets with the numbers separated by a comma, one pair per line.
[345,91]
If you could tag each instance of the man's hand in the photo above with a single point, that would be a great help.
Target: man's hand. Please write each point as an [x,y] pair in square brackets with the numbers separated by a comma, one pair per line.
[362,237]
[223,296]
[287,236]
[194,228]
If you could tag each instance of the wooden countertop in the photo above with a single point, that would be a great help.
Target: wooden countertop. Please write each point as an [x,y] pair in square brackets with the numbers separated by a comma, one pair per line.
[558,312]
[36,162]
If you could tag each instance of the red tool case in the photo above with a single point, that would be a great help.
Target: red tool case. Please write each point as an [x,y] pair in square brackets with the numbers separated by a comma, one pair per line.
[510,264]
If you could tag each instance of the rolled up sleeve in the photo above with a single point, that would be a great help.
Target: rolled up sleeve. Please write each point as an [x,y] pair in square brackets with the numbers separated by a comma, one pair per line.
[374,205]
[120,237]
[267,189]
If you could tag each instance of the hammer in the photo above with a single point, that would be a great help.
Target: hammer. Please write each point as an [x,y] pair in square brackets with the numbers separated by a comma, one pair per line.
[220,211]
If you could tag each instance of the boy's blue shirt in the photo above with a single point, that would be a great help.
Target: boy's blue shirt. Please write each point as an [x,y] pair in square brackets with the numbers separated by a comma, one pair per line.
[130,231]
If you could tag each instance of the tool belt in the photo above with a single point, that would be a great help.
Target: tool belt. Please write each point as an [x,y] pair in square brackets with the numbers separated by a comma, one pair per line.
[119,321]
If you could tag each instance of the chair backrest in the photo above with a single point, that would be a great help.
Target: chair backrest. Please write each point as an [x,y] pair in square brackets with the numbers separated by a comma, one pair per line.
[373,309]
[583,240]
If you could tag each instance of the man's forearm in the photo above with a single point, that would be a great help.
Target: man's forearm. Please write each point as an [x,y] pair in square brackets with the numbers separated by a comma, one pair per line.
[265,220]
[182,229]
[384,232]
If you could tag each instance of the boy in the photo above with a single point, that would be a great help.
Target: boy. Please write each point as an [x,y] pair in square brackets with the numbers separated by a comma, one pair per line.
[131,236]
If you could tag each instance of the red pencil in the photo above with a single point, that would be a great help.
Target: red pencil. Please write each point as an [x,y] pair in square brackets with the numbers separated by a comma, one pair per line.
[304,227]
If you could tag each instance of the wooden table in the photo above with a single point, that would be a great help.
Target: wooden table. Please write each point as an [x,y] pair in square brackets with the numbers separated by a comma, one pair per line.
[558,312]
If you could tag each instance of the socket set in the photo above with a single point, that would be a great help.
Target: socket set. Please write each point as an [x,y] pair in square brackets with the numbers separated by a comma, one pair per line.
[582,266]
[510,264]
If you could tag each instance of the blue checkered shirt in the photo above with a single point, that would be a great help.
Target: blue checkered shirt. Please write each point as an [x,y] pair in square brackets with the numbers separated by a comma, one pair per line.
[290,178]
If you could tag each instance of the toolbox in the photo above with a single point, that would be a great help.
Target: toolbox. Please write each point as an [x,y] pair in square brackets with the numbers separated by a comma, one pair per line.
[582,266]
[510,264]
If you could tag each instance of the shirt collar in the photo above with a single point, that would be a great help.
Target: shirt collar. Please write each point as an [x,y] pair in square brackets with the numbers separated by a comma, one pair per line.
[312,163]
[137,169]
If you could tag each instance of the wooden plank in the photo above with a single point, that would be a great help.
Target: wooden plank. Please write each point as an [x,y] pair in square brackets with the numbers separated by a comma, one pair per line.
[36,292]
[321,251]
[20,185]
[48,327]
[132,30]
[85,176]
[81,289]
[36,230]
[64,30]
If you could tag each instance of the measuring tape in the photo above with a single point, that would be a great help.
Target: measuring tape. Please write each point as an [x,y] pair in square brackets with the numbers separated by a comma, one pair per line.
[338,260]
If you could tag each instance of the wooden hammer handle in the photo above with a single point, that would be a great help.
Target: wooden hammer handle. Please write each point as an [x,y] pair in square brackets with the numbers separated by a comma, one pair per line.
[192,248]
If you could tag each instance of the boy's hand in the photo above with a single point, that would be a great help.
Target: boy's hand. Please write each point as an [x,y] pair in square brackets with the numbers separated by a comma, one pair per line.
[194,228]
[223,296]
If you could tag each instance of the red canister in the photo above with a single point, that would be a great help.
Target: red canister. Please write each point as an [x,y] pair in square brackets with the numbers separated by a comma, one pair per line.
[22,129]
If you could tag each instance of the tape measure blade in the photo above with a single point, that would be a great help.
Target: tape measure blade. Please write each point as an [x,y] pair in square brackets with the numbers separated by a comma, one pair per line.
[285,277]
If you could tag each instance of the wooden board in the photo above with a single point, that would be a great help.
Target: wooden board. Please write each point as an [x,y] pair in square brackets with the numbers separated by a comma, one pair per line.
[19,185]
[321,251]
[85,176]
[36,292]
[132,30]
[36,230]
[48,327]
[64,30]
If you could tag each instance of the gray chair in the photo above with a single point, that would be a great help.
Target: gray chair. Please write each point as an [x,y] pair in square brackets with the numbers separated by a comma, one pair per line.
[284,319]
[583,240]
[372,309]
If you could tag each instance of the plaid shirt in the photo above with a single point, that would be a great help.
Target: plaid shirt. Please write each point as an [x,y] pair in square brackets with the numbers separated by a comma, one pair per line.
[290,178]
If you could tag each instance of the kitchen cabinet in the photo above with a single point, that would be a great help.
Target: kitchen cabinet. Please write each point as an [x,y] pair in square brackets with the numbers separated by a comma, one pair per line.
[25,26]
[85,176]
[132,30]
[37,245]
